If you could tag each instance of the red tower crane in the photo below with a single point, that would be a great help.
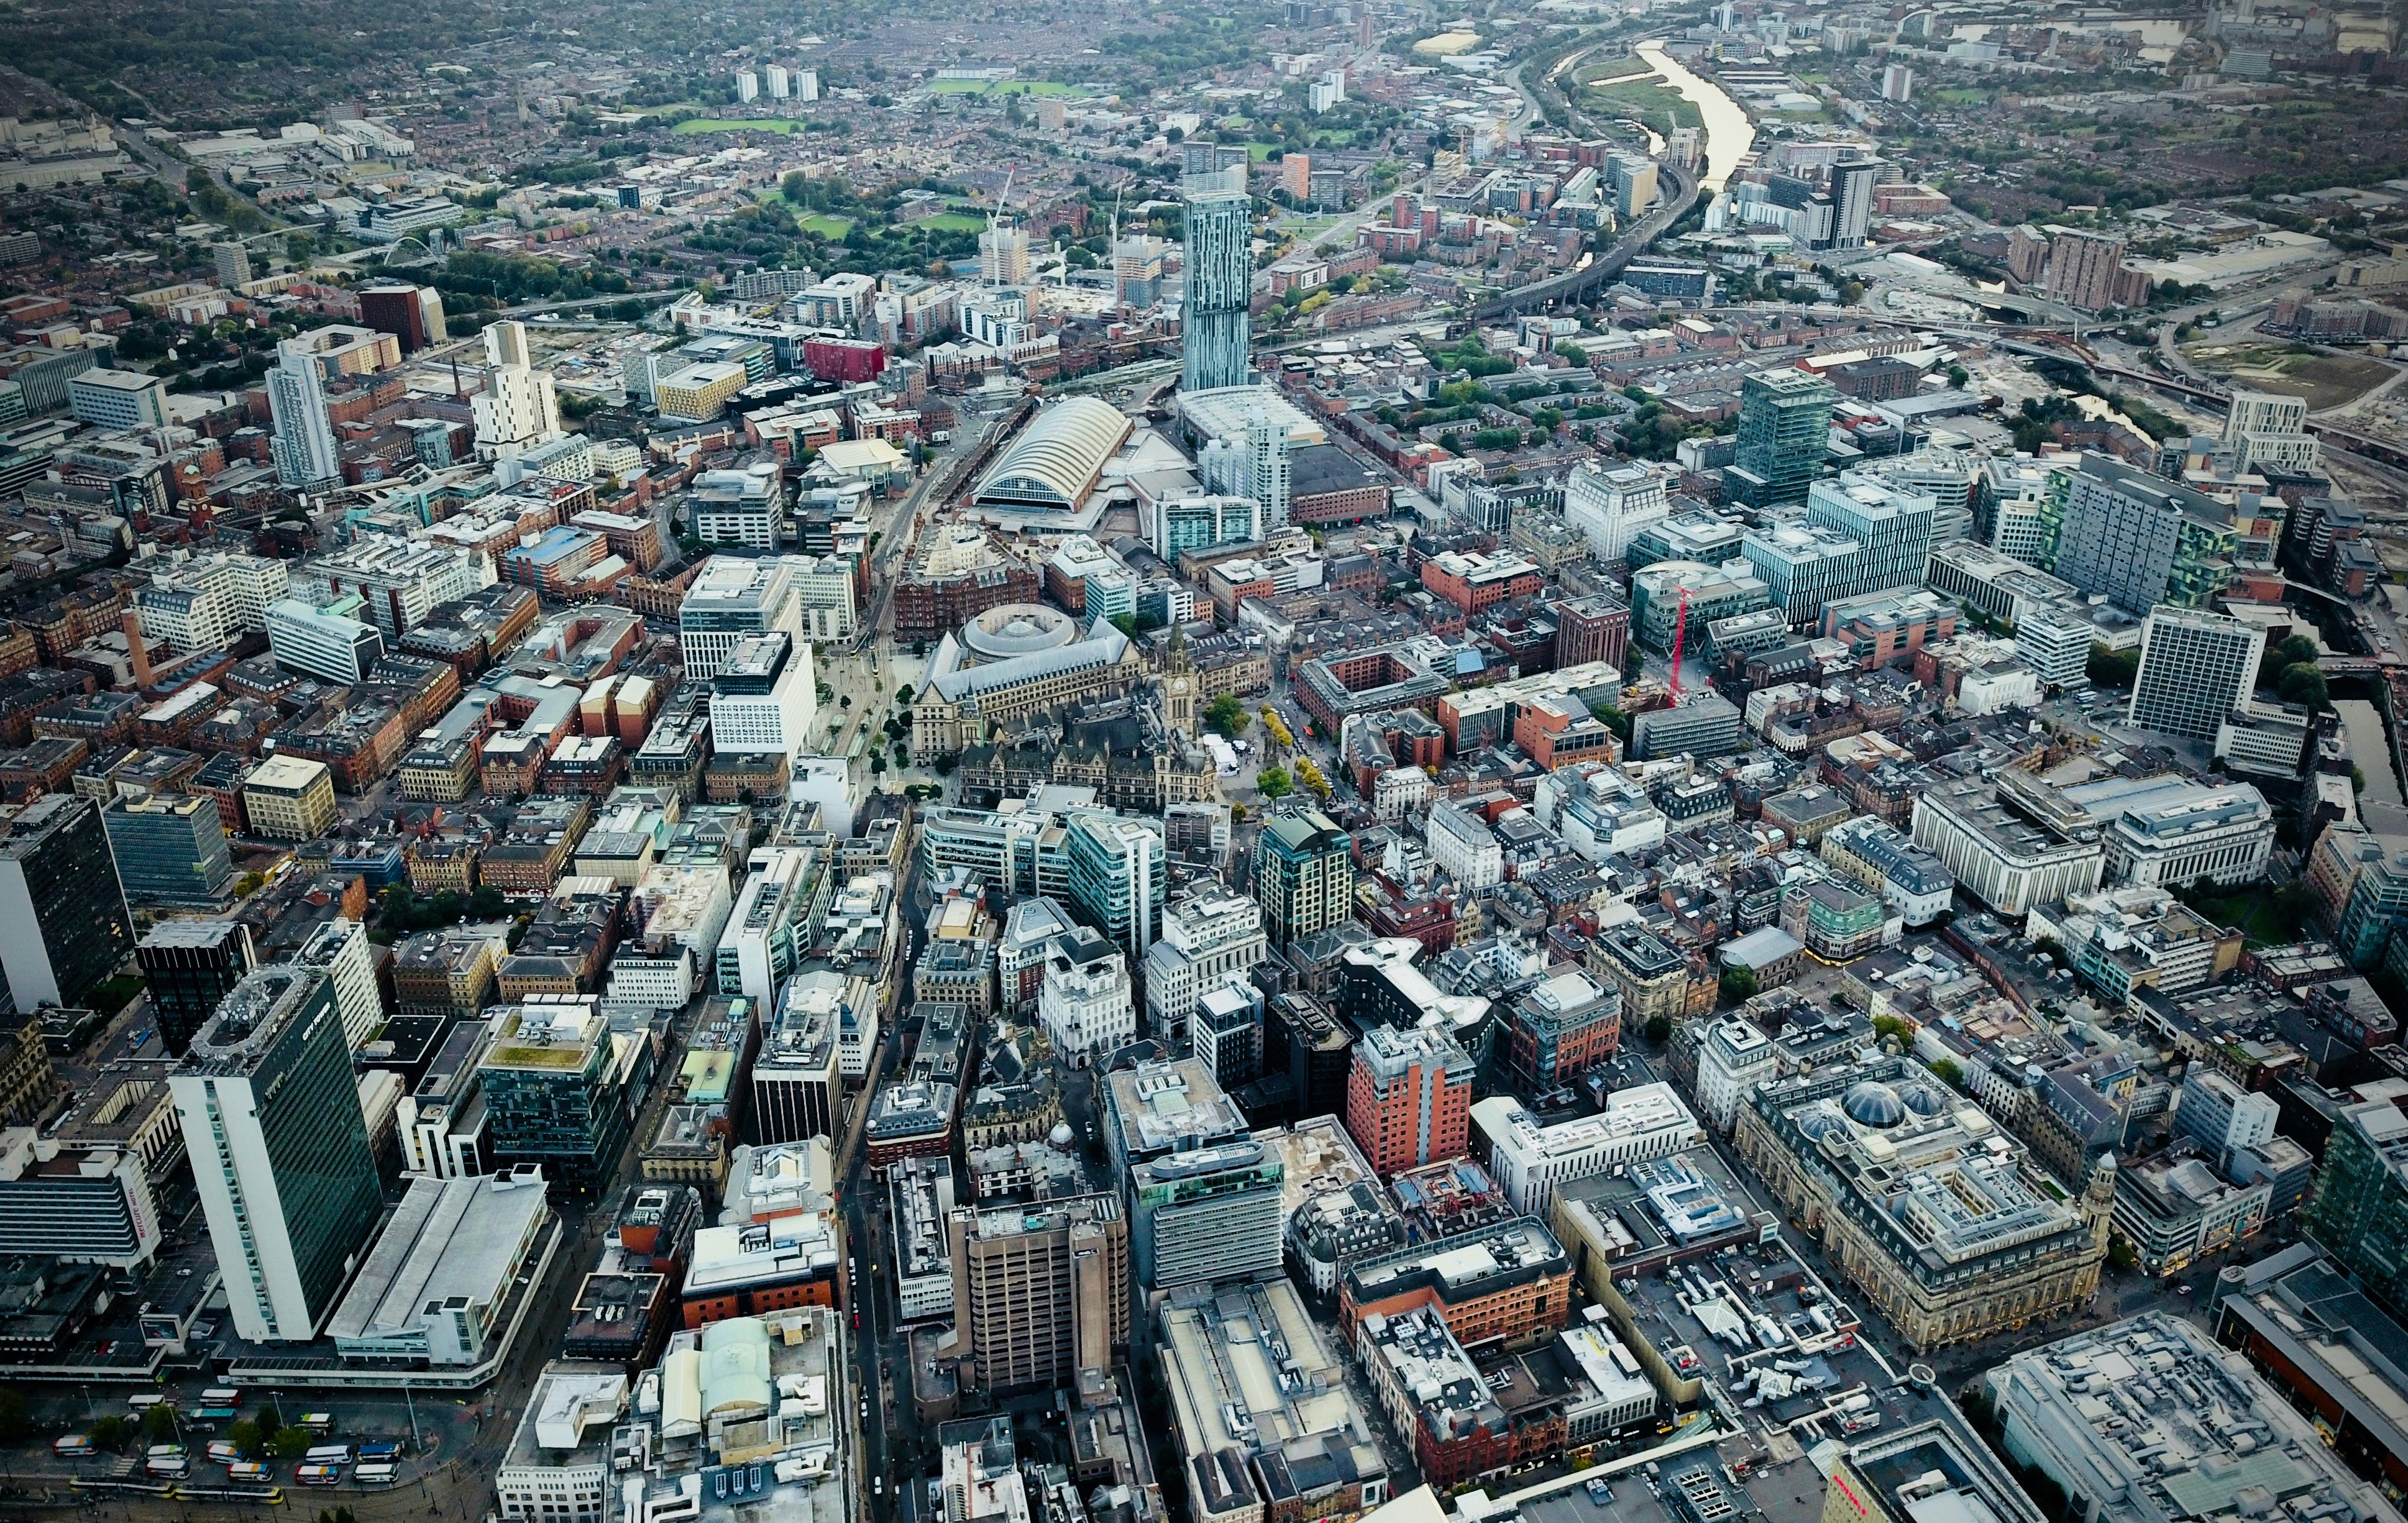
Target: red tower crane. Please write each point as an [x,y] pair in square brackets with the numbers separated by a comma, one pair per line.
[1679,633]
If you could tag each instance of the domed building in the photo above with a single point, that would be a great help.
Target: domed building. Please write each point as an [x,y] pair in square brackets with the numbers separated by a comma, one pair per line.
[1953,1227]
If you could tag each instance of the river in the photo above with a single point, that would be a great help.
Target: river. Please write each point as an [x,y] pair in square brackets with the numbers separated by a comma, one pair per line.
[1729,131]
[2370,748]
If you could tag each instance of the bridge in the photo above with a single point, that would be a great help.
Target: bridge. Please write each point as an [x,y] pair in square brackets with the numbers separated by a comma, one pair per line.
[2355,665]
[1597,273]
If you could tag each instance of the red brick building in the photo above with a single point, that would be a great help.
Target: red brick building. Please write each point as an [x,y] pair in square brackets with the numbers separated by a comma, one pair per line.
[1474,581]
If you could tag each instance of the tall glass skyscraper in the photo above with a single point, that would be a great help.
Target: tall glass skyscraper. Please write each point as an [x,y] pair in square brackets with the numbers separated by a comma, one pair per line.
[1216,330]
[271,1119]
[1785,431]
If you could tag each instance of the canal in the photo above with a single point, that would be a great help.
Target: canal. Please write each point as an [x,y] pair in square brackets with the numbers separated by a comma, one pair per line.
[1729,131]
[2370,747]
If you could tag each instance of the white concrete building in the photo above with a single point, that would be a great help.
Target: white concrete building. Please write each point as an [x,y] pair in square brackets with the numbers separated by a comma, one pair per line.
[734,597]
[1529,1160]
[341,948]
[1085,1004]
[2197,668]
[518,410]
[399,580]
[1463,847]
[2224,833]
[322,643]
[765,699]
[1208,938]
[1732,1056]
[558,1466]
[2037,852]
[202,603]
[739,507]
[1610,503]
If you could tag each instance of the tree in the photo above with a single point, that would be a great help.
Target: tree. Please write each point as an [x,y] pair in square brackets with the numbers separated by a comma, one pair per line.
[1958,376]
[1739,984]
[2292,652]
[2112,668]
[13,1427]
[244,1436]
[159,1424]
[108,1434]
[1227,714]
[1659,1029]
[1274,782]
[485,902]
[903,696]
[1950,1073]
[2304,684]
[292,1443]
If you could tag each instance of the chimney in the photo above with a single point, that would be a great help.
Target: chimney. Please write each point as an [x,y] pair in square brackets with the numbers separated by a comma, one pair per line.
[131,622]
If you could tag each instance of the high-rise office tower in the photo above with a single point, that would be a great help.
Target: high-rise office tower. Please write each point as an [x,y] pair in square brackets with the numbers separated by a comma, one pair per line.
[1304,875]
[518,410]
[1408,1097]
[302,446]
[1215,331]
[1041,1292]
[2359,1210]
[1852,201]
[1003,254]
[2269,429]
[1785,431]
[412,313]
[168,848]
[188,966]
[271,1119]
[63,921]
[1266,444]
[1613,501]
[1207,1216]
[733,598]
[2142,540]
[2196,668]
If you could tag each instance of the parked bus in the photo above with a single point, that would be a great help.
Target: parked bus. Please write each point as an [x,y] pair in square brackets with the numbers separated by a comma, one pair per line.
[144,1401]
[174,1467]
[222,1396]
[377,1474]
[380,1451]
[248,1469]
[316,1422]
[75,1445]
[216,1415]
[319,1474]
[222,1453]
[329,1454]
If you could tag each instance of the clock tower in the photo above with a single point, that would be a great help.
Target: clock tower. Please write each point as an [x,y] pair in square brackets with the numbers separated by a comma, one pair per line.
[1179,685]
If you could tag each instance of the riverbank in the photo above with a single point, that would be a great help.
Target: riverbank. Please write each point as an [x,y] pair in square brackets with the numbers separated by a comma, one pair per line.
[1730,134]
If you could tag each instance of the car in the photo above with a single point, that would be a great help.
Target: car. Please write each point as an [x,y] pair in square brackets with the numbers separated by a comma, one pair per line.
[877,1485]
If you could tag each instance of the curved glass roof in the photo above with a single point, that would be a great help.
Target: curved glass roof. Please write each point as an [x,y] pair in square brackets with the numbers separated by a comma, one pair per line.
[1056,460]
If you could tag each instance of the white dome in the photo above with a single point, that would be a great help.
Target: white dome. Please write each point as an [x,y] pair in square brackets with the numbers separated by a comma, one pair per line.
[1061,1134]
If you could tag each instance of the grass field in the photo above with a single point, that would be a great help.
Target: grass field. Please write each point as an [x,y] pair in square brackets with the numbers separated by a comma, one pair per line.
[1004,87]
[1650,100]
[954,222]
[715,124]
[2265,919]
[1615,69]
[2326,380]
[824,226]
